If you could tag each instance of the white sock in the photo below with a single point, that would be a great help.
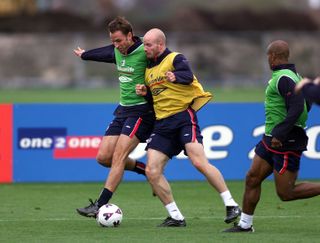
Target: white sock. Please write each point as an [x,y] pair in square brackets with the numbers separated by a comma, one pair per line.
[246,221]
[174,211]
[227,199]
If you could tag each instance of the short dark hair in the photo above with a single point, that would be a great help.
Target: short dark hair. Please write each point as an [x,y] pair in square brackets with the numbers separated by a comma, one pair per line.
[120,24]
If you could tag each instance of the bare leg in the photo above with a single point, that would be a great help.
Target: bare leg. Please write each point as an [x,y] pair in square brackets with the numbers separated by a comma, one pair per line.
[124,147]
[154,171]
[259,170]
[197,156]
[288,190]
[113,151]
[106,150]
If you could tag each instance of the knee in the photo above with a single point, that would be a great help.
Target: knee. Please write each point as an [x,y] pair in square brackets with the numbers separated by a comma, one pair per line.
[152,174]
[199,165]
[119,158]
[252,180]
[104,159]
[284,195]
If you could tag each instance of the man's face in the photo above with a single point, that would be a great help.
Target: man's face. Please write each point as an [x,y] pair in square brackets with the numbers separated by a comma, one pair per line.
[151,47]
[121,41]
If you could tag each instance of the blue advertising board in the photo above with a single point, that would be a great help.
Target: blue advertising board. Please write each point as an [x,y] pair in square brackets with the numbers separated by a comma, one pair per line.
[58,142]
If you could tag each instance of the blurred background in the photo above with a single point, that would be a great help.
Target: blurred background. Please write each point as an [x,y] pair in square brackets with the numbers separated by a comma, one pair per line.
[225,41]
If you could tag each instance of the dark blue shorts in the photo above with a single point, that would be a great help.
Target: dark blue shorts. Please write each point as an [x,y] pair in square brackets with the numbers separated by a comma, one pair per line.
[172,133]
[280,161]
[141,127]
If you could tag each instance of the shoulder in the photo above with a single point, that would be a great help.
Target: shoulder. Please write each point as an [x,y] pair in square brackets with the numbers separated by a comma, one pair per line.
[285,81]
[179,58]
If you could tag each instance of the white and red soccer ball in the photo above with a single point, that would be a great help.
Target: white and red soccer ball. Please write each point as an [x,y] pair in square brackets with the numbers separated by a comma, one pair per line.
[109,215]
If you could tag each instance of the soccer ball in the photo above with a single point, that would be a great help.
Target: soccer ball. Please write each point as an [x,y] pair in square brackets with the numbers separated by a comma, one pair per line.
[109,215]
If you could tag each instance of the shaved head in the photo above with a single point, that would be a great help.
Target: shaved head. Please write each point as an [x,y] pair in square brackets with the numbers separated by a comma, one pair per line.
[156,35]
[279,48]
[154,43]
[278,53]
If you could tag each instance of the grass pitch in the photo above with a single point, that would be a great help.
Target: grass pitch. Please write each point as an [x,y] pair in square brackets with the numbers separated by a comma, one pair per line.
[46,213]
[249,94]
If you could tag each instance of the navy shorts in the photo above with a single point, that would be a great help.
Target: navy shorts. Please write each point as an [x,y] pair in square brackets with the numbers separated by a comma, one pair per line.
[141,127]
[280,161]
[172,133]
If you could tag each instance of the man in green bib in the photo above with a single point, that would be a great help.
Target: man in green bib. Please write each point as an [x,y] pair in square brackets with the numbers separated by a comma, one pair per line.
[134,117]
[284,140]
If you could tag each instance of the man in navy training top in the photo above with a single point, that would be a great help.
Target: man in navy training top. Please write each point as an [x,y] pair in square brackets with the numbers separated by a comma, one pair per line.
[284,140]
[177,96]
[134,117]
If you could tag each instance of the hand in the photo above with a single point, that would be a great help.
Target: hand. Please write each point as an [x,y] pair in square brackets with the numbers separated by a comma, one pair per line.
[141,90]
[300,85]
[78,51]
[317,81]
[170,76]
[275,143]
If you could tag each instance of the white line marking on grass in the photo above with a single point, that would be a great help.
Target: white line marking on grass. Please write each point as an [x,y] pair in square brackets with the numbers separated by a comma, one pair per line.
[158,218]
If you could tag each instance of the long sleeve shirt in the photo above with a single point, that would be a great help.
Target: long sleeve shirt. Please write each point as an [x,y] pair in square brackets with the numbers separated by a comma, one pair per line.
[291,136]
[311,92]
[182,69]
[107,54]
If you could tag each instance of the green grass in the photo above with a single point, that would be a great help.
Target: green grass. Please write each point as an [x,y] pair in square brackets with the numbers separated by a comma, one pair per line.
[46,213]
[112,95]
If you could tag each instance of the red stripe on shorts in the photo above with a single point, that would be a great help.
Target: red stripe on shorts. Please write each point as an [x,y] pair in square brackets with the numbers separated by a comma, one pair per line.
[136,126]
[285,164]
[194,127]
[278,152]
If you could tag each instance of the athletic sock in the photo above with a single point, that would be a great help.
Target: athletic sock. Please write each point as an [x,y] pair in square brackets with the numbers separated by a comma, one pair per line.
[174,211]
[227,199]
[140,168]
[104,197]
[246,221]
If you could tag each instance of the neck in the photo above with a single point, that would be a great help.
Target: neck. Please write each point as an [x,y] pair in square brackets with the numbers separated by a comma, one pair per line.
[131,42]
[280,62]
[160,52]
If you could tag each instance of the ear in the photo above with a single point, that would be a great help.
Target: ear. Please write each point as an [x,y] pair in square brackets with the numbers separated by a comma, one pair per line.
[272,58]
[130,35]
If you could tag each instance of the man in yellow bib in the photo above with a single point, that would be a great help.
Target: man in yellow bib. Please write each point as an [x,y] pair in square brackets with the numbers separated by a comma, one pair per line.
[177,95]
